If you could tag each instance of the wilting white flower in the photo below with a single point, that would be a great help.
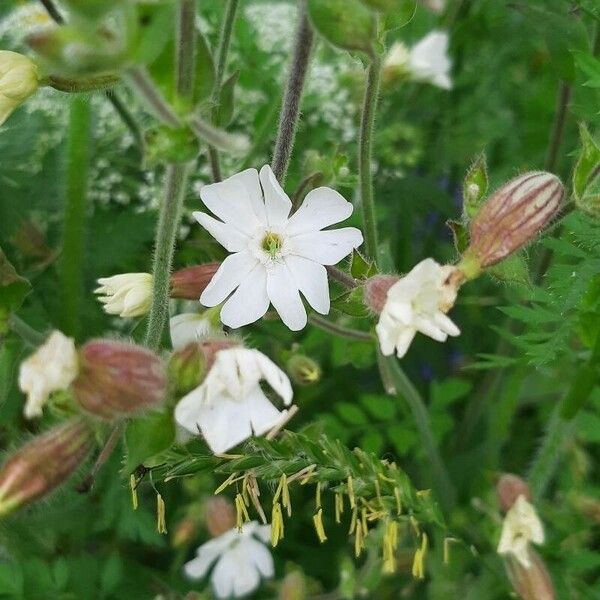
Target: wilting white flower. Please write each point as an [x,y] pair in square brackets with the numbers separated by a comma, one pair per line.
[521,527]
[418,301]
[229,406]
[126,295]
[426,61]
[190,327]
[241,559]
[19,78]
[275,256]
[51,368]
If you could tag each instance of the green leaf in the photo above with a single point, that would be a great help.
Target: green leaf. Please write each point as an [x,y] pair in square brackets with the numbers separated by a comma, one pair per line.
[204,77]
[589,65]
[372,441]
[351,303]
[586,175]
[146,437]
[460,235]
[382,408]
[112,573]
[347,24]
[475,186]
[402,438]
[155,29]
[13,287]
[226,104]
[444,393]
[351,413]
[513,269]
[360,267]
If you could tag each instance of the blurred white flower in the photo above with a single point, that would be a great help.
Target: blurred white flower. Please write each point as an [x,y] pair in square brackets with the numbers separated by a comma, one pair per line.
[51,368]
[437,7]
[229,406]
[426,61]
[19,79]
[521,527]
[241,559]
[190,327]
[126,295]
[275,256]
[418,301]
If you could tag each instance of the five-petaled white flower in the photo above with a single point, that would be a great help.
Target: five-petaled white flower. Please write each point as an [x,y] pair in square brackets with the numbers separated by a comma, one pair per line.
[418,301]
[241,558]
[229,406]
[275,256]
[187,328]
[51,368]
[126,295]
[426,61]
[19,78]
[521,527]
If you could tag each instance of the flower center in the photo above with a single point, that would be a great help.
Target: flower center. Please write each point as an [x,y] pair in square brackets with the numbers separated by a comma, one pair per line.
[272,244]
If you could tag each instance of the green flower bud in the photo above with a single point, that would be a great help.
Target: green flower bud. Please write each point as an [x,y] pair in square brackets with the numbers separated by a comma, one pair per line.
[303,369]
[19,79]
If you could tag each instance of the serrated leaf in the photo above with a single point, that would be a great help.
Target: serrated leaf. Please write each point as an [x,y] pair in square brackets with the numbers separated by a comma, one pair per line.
[360,267]
[475,186]
[147,437]
[351,303]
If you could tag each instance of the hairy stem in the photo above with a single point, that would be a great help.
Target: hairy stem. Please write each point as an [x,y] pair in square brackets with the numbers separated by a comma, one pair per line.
[221,64]
[73,240]
[28,334]
[186,48]
[290,110]
[340,330]
[337,275]
[558,126]
[109,446]
[365,154]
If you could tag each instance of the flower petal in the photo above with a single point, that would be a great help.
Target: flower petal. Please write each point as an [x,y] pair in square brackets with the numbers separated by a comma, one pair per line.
[224,424]
[235,575]
[260,556]
[258,410]
[206,556]
[327,247]
[284,296]
[322,207]
[229,237]
[274,376]
[311,279]
[249,302]
[277,203]
[233,270]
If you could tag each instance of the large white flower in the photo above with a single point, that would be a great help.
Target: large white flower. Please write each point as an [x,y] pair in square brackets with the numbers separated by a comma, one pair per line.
[51,368]
[241,559]
[418,301]
[19,78]
[126,295]
[229,406]
[275,256]
[426,61]
[187,328]
[521,527]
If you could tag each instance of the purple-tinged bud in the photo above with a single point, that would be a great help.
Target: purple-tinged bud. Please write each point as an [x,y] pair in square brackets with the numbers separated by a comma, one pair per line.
[118,379]
[509,488]
[220,515]
[513,216]
[43,464]
[376,289]
[189,283]
[533,583]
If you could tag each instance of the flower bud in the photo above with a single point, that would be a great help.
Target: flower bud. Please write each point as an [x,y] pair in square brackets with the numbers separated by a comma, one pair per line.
[533,583]
[126,295]
[303,369]
[376,289]
[513,216]
[118,379]
[187,368]
[185,532]
[509,488]
[293,587]
[19,79]
[220,515]
[43,464]
[190,282]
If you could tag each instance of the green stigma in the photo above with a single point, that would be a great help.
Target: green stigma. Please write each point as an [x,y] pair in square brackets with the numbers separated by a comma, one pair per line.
[272,244]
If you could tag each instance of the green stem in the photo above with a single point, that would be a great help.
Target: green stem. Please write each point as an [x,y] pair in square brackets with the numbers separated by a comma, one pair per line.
[220,65]
[340,330]
[290,110]
[406,390]
[28,334]
[77,159]
[186,50]
[365,154]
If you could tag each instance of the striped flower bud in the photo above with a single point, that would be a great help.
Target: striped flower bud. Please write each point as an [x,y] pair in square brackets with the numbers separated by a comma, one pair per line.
[376,290]
[118,379]
[533,583]
[509,488]
[43,464]
[190,282]
[513,216]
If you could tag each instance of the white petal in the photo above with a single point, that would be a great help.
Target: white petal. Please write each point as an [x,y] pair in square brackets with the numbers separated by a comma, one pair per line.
[249,302]
[250,181]
[259,411]
[327,247]
[277,203]
[429,328]
[232,271]
[404,340]
[187,328]
[322,207]
[188,409]
[446,324]
[260,557]
[229,237]
[275,377]
[235,575]
[263,532]
[284,296]
[311,279]
[205,557]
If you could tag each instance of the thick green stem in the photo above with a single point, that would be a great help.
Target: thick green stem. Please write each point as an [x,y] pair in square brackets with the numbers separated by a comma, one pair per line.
[340,330]
[406,390]
[220,65]
[365,154]
[290,110]
[77,168]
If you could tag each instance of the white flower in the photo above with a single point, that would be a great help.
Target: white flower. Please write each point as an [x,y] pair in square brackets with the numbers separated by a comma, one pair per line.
[230,405]
[241,560]
[126,295]
[51,368]
[19,78]
[190,327]
[418,301]
[275,256]
[521,527]
[426,61]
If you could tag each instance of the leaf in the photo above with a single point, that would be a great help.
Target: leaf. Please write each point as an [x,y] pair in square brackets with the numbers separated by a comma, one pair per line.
[360,267]
[513,269]
[402,438]
[155,31]
[351,303]
[146,437]
[347,24]
[589,65]
[204,77]
[447,392]
[226,104]
[13,287]
[379,407]
[372,441]
[460,235]
[587,169]
[351,413]
[475,186]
